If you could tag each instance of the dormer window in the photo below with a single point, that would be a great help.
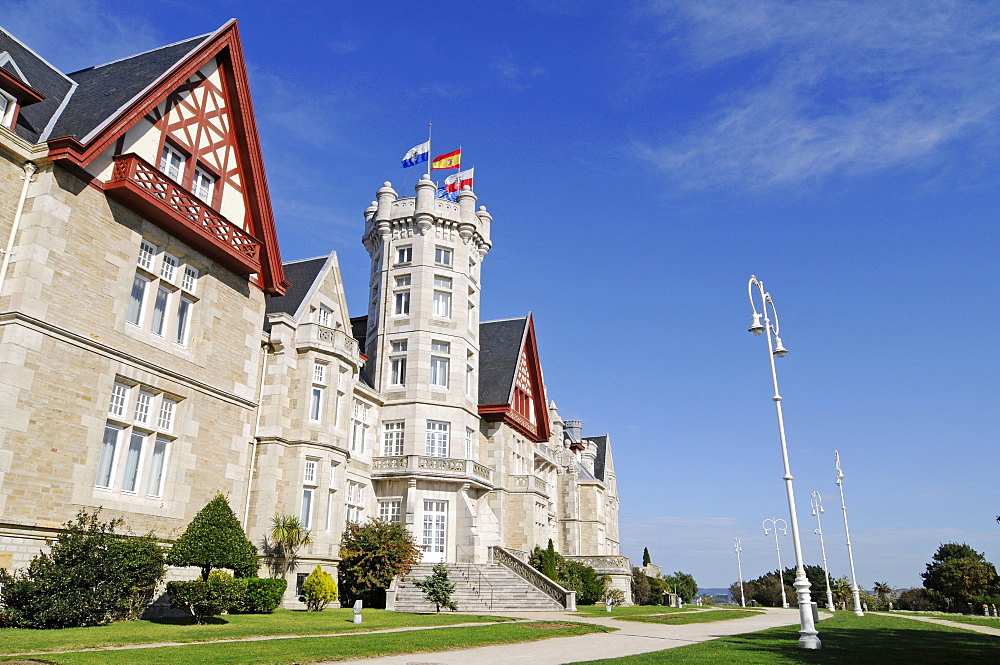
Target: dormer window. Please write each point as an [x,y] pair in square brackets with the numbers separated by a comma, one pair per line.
[203,185]
[6,110]
[172,163]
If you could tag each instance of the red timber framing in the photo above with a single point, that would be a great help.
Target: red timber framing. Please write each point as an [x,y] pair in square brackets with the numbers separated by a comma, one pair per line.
[22,92]
[527,390]
[225,47]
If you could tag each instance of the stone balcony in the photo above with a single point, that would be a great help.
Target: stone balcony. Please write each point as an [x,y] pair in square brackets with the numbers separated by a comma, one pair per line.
[546,455]
[530,483]
[330,340]
[460,470]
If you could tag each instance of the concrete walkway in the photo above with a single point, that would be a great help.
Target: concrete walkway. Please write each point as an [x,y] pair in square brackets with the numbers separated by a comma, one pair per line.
[632,637]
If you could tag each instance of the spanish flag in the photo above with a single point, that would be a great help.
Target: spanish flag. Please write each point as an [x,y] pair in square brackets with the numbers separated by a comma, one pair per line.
[449,160]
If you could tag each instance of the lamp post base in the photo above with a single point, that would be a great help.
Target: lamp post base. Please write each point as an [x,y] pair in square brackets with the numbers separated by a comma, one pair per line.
[857,602]
[808,635]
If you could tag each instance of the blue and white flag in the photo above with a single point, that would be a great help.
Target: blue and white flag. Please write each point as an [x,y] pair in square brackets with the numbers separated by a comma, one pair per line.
[417,154]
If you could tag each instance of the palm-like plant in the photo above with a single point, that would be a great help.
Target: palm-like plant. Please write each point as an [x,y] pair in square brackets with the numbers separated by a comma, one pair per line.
[882,592]
[281,547]
[841,590]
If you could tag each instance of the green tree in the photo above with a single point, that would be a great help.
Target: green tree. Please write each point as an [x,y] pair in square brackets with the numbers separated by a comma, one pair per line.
[90,575]
[282,544]
[215,539]
[734,592]
[204,599]
[583,579]
[882,593]
[550,567]
[640,587]
[841,590]
[437,589]
[961,574]
[684,584]
[371,555]
[645,557]
[320,590]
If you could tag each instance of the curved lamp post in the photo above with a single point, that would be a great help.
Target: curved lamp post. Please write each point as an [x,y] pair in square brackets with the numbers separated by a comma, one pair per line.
[850,555]
[808,635]
[784,532]
[816,501]
[739,565]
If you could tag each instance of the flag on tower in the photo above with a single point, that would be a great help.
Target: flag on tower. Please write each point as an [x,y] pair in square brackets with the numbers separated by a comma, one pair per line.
[449,160]
[417,154]
[453,184]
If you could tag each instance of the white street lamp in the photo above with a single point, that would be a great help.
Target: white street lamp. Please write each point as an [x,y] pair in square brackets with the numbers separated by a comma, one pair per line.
[739,565]
[784,532]
[816,501]
[850,555]
[808,635]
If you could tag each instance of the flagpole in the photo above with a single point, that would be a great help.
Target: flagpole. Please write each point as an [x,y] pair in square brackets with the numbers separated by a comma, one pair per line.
[430,153]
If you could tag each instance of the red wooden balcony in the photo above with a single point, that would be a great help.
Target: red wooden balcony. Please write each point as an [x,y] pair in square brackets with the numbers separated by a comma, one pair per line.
[140,186]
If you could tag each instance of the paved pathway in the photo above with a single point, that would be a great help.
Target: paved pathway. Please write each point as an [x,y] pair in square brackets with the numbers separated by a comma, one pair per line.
[632,637]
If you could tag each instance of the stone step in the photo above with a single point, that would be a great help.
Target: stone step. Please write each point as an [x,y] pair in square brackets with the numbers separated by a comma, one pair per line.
[498,589]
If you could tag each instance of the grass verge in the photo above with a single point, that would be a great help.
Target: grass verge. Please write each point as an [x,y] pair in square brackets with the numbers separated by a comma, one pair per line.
[315,649]
[957,618]
[282,622]
[691,617]
[872,639]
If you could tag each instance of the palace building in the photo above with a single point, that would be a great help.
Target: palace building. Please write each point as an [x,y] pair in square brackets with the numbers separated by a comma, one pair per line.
[155,349]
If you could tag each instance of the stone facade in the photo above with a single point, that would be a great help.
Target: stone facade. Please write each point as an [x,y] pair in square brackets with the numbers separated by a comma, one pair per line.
[153,353]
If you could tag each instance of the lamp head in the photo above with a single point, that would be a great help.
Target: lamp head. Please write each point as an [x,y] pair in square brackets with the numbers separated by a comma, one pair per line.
[779,349]
[756,328]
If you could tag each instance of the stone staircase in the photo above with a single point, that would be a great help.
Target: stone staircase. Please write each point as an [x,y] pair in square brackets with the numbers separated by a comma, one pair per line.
[478,588]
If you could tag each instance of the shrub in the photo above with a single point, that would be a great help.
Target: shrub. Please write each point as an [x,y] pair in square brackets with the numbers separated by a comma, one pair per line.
[437,589]
[319,589]
[262,596]
[371,555]
[90,576]
[614,597]
[215,539]
[640,587]
[203,599]
[583,579]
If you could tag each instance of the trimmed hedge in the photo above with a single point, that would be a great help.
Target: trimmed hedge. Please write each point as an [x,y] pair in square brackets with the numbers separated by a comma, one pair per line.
[205,599]
[262,596]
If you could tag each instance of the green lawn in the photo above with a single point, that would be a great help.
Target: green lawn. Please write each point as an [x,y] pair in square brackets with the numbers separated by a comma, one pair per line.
[633,610]
[282,622]
[313,649]
[957,618]
[691,617]
[847,640]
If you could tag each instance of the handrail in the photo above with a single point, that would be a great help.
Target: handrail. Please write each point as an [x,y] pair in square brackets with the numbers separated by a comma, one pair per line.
[548,586]
[467,574]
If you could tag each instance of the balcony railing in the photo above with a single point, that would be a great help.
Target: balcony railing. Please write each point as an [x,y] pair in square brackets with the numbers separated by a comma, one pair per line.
[313,335]
[433,466]
[146,190]
[530,483]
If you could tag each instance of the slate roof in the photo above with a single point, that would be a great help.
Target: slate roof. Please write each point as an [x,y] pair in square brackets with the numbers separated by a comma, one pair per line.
[43,77]
[602,453]
[91,95]
[499,353]
[301,275]
[102,90]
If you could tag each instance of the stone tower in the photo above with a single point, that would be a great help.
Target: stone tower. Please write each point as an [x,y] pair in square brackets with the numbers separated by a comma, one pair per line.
[423,355]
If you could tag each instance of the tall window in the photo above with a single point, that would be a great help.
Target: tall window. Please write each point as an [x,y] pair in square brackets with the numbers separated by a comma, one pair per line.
[401,297]
[316,392]
[305,514]
[472,315]
[203,184]
[359,427]
[392,438]
[168,315]
[136,441]
[310,479]
[355,501]
[440,364]
[390,509]
[469,433]
[323,316]
[172,163]
[442,255]
[469,381]
[442,296]
[437,438]
[397,363]
[404,254]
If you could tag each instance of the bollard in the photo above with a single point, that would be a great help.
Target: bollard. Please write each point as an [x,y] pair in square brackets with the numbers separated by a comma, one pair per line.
[357,611]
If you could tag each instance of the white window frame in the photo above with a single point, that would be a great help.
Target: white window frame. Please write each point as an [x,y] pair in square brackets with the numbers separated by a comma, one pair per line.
[437,440]
[469,440]
[306,508]
[182,323]
[323,315]
[7,106]
[198,184]
[319,373]
[443,256]
[309,472]
[168,267]
[189,282]
[118,405]
[440,368]
[165,417]
[404,255]
[390,510]
[401,303]
[316,404]
[143,407]
[172,163]
[393,438]
[140,418]
[138,305]
[108,460]
[147,255]
[161,307]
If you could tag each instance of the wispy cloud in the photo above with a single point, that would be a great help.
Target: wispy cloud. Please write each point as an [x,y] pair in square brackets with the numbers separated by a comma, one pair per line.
[827,86]
[98,34]
[517,75]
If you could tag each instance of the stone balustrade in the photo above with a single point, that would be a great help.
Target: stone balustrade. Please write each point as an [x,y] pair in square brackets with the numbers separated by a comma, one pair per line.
[423,465]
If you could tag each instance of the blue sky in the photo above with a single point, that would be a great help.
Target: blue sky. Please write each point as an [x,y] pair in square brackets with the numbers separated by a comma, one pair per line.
[640,161]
